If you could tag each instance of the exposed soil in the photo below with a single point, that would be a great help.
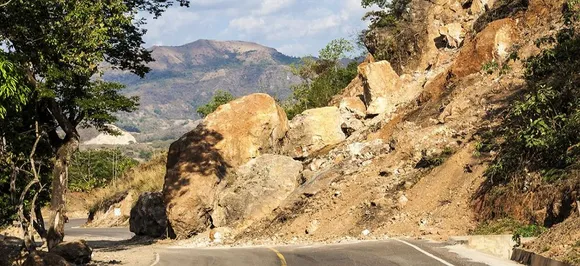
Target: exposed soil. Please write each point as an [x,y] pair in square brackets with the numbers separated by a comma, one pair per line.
[561,242]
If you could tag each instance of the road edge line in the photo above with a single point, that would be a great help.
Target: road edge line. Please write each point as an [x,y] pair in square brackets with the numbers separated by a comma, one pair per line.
[424,252]
[280,256]
[156,259]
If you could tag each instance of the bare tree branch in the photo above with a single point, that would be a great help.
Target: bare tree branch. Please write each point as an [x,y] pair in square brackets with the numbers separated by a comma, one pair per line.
[5,4]
[27,224]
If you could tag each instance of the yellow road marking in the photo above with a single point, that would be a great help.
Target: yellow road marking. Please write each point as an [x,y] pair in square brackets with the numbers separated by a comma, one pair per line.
[280,256]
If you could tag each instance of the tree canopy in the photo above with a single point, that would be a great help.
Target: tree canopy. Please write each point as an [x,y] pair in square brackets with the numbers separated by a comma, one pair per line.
[220,97]
[54,53]
[322,78]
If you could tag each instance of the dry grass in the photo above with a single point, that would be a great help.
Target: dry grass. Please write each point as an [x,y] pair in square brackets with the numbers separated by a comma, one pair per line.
[145,177]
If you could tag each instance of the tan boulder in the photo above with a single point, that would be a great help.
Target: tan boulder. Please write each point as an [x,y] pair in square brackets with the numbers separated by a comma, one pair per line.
[250,125]
[196,163]
[480,6]
[258,188]
[353,105]
[313,130]
[383,88]
[354,89]
[453,33]
[493,43]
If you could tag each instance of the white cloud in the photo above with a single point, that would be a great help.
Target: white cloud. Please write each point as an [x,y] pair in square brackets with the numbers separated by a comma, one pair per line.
[268,7]
[296,27]
[294,48]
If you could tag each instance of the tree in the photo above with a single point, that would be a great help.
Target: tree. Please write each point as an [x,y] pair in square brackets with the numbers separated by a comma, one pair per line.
[322,78]
[392,32]
[220,97]
[13,87]
[96,168]
[60,45]
[335,50]
[395,7]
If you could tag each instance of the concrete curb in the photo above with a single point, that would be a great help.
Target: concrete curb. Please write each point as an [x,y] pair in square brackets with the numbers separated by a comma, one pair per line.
[531,259]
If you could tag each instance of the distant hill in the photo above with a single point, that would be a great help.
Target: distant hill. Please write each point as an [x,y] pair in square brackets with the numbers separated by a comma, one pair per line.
[185,77]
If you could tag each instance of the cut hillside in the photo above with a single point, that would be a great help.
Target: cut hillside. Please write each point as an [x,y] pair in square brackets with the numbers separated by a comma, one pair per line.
[406,150]
[101,203]
[182,78]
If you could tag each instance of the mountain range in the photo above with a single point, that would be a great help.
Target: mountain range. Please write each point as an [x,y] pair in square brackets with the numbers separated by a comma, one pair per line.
[185,77]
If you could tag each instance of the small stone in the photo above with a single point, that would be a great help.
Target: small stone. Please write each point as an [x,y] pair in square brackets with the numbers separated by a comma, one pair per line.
[312,227]
[366,232]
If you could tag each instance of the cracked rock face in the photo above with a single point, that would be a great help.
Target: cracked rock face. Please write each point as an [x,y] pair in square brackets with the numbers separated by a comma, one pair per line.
[313,130]
[199,161]
[257,188]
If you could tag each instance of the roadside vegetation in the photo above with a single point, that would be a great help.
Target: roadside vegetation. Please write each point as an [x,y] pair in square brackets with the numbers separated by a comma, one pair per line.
[322,78]
[538,143]
[392,32]
[145,177]
[97,168]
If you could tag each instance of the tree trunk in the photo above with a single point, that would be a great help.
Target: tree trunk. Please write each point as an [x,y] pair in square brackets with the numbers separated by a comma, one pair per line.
[59,190]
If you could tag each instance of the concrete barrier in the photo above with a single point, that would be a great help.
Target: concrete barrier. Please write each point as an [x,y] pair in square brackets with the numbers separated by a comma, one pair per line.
[531,259]
[497,245]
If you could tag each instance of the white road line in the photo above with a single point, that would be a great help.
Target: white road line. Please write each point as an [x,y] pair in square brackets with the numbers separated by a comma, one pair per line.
[424,252]
[156,259]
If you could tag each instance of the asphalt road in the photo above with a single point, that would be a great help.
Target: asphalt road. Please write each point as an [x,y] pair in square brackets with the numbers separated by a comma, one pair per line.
[73,229]
[371,253]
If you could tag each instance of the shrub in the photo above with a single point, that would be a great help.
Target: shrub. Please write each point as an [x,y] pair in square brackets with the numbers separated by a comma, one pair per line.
[96,168]
[145,177]
[321,79]
[392,34]
[220,97]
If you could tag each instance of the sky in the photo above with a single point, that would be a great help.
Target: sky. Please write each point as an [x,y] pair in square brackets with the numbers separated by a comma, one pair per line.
[293,27]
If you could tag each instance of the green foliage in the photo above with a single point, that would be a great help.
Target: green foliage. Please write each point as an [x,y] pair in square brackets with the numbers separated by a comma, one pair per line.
[391,34]
[490,67]
[97,168]
[509,226]
[395,7]
[501,9]
[14,90]
[497,227]
[49,68]
[321,79]
[541,129]
[336,49]
[220,97]
[16,141]
[531,230]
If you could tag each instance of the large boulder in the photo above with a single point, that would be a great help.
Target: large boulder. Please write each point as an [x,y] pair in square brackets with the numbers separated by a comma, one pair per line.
[453,34]
[492,44]
[313,130]
[258,188]
[77,252]
[148,216]
[196,163]
[352,110]
[382,87]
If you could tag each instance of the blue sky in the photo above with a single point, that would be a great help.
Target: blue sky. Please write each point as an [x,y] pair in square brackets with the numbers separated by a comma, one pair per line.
[294,27]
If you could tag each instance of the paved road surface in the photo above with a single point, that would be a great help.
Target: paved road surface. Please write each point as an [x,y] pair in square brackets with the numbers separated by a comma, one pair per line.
[369,253]
[73,229]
